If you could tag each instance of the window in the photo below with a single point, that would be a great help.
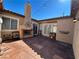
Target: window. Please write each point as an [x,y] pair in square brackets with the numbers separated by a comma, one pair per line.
[9,24]
[6,23]
[13,24]
[54,28]
[49,29]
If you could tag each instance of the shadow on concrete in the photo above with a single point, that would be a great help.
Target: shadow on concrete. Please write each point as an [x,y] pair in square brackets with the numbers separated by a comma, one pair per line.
[50,49]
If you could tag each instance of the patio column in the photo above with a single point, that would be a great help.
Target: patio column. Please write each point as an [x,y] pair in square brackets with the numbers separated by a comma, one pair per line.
[76,36]
[0,29]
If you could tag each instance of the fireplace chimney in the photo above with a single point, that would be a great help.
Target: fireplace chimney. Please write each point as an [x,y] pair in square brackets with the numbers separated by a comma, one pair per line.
[28,22]
[1,5]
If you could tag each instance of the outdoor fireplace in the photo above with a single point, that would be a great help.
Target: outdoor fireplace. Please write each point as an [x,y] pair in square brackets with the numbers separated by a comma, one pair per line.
[27,33]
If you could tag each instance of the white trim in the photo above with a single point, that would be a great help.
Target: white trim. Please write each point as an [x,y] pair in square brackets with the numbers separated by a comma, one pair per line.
[10,22]
[9,17]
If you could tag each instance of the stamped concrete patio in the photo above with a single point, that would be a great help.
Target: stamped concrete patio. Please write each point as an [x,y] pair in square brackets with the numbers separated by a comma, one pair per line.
[49,49]
[18,50]
[38,47]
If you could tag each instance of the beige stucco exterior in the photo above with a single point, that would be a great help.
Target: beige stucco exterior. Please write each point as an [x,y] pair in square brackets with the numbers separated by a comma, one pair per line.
[65,25]
[14,16]
[21,24]
[62,24]
[76,38]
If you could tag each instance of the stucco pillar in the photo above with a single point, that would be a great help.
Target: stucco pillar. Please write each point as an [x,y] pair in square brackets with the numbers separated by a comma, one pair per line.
[76,40]
[76,37]
[0,32]
[21,33]
[0,28]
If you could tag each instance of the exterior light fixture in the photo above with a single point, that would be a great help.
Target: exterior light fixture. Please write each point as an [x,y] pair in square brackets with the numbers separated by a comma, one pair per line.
[76,19]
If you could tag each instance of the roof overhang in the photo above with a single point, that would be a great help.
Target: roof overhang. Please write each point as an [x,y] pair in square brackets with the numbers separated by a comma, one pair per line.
[74,8]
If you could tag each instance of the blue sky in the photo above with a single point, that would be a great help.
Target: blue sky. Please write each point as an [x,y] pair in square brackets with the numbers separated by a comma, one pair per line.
[41,9]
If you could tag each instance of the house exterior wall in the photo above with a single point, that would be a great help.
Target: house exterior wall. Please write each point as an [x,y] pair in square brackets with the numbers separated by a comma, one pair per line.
[76,40]
[62,24]
[20,23]
[76,37]
[65,25]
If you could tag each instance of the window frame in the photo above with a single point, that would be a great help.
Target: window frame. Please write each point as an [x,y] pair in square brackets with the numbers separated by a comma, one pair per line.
[11,24]
[11,18]
[5,25]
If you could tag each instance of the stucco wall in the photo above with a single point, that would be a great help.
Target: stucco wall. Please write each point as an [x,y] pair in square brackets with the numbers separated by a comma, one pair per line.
[65,25]
[20,25]
[11,15]
[21,19]
[76,40]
